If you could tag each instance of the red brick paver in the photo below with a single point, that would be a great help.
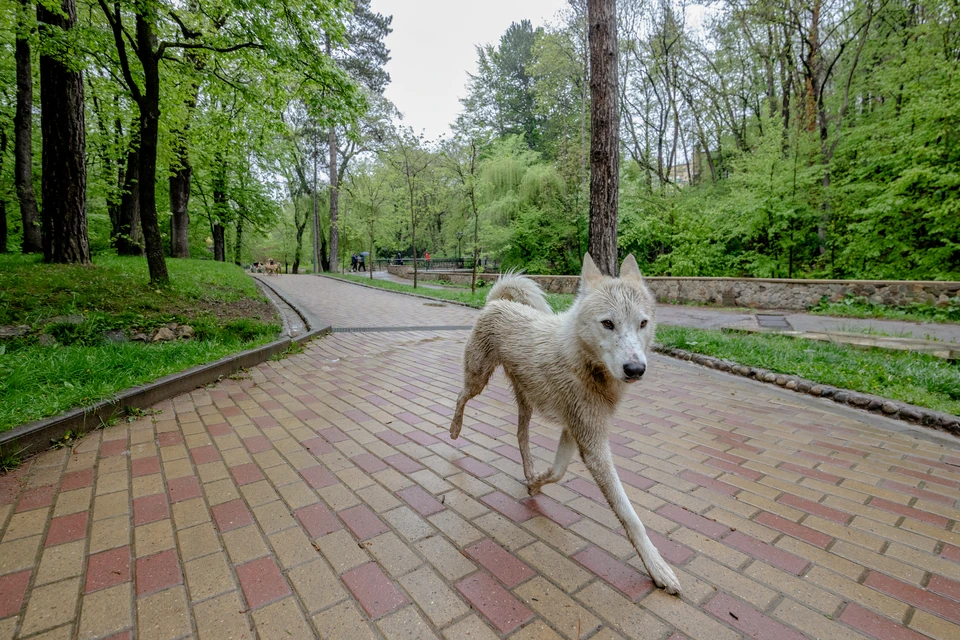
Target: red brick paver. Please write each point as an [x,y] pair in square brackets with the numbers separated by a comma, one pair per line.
[373,590]
[262,582]
[321,494]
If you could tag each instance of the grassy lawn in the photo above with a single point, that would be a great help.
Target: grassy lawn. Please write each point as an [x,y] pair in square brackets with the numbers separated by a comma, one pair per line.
[854,307]
[909,377]
[74,306]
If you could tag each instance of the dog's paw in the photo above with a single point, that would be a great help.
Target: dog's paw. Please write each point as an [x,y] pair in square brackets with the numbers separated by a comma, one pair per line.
[664,577]
[533,488]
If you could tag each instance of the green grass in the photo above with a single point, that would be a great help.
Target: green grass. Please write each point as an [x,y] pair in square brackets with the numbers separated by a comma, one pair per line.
[31,291]
[218,300]
[909,377]
[559,301]
[859,307]
[43,381]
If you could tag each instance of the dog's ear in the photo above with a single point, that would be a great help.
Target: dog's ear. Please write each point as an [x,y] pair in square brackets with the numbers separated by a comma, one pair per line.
[589,275]
[629,269]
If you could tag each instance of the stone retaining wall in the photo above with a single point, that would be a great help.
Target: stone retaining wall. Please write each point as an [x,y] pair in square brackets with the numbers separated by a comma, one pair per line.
[743,292]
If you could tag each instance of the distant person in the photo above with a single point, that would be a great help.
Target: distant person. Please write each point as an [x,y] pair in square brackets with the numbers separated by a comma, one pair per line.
[426,257]
[353,263]
[361,263]
[398,259]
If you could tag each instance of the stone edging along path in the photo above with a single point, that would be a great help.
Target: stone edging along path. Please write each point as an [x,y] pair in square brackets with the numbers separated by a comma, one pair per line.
[891,408]
[36,436]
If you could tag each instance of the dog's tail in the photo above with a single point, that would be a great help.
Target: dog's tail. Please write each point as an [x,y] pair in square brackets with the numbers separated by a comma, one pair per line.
[518,288]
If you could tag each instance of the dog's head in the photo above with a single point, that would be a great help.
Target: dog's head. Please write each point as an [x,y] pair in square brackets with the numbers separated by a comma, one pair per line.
[616,318]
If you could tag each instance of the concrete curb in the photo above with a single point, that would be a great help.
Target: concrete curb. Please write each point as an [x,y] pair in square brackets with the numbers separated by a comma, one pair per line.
[36,436]
[312,322]
[890,408]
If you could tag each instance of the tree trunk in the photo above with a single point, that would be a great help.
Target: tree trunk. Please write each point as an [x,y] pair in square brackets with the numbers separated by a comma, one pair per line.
[3,200]
[299,249]
[3,224]
[219,210]
[64,177]
[238,245]
[413,231]
[128,237]
[149,132]
[179,201]
[325,264]
[334,192]
[604,130]
[334,202]
[181,177]
[23,143]
[113,204]
[219,242]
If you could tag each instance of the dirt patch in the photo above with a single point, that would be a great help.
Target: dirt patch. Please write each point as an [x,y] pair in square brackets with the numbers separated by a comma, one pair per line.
[228,311]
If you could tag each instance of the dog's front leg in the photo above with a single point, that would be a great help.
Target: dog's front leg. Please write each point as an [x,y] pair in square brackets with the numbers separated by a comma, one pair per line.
[596,455]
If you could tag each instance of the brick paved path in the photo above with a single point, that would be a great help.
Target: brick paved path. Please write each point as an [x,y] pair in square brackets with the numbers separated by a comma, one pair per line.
[319,496]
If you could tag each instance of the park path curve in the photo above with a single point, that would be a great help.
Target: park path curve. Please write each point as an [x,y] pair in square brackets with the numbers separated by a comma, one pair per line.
[318,496]
[710,317]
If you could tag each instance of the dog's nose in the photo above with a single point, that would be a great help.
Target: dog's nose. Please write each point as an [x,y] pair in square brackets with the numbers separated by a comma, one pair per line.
[634,369]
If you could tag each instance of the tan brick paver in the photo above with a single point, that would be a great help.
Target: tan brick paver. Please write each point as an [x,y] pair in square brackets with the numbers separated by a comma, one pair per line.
[320,496]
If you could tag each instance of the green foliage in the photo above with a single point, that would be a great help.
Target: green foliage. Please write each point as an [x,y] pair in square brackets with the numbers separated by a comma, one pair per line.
[741,157]
[501,96]
[9,460]
[909,377]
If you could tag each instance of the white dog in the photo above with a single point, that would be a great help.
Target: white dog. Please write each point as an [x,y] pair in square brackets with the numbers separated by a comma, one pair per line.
[573,369]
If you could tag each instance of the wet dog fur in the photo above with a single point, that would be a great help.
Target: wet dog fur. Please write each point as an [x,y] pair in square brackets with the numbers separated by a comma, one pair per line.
[573,369]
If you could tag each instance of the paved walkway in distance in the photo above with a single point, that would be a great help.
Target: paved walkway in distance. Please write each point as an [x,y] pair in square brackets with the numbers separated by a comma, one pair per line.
[706,317]
[319,496]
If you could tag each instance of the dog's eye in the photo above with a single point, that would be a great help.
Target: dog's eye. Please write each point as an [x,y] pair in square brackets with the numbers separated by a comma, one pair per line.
[643,324]
[608,324]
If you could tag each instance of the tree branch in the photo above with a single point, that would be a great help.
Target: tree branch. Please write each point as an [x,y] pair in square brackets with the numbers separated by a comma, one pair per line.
[187,31]
[116,25]
[196,45]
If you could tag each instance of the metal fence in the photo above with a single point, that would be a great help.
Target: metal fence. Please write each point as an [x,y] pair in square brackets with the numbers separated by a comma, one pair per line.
[444,264]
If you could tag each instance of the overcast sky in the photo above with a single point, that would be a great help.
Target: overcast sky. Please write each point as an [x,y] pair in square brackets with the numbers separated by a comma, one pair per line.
[433,48]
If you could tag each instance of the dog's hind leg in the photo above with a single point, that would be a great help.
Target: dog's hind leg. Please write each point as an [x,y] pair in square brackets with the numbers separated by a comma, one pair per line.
[477,369]
[596,455]
[524,413]
[565,451]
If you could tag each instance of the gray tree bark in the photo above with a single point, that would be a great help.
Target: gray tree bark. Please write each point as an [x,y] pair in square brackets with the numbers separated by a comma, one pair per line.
[3,200]
[23,144]
[238,245]
[128,238]
[64,178]
[179,201]
[604,134]
[334,203]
